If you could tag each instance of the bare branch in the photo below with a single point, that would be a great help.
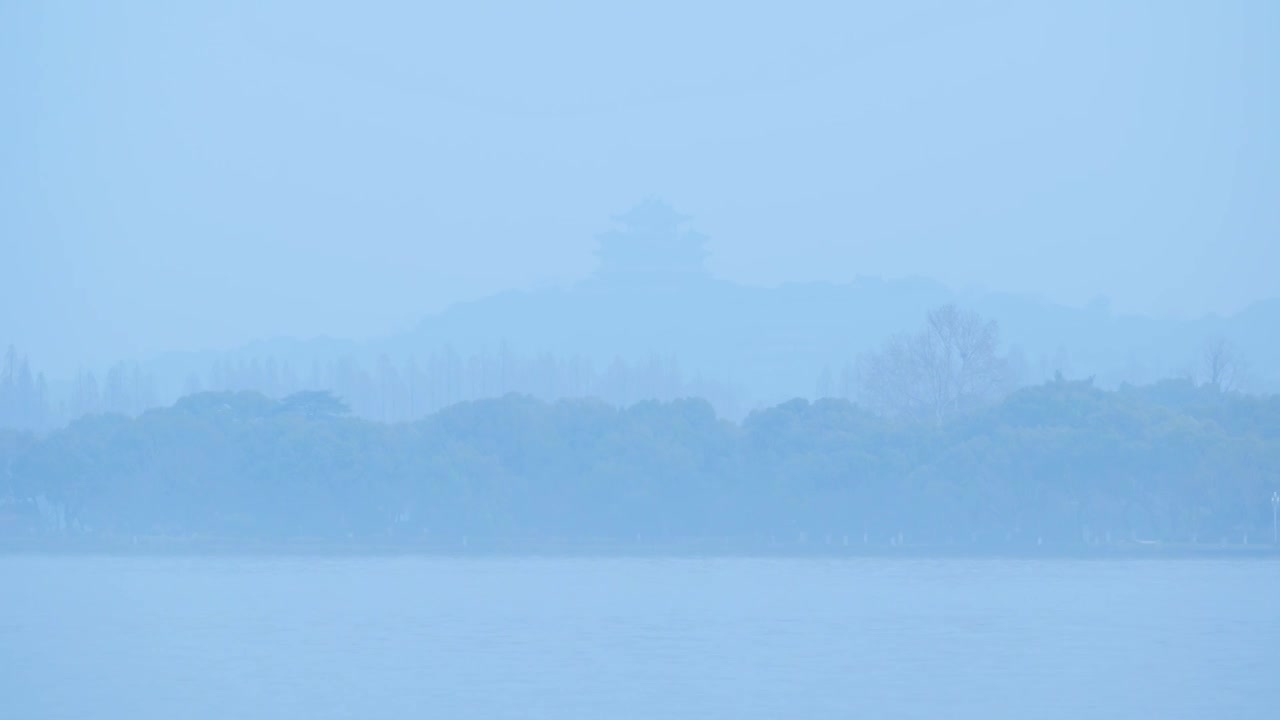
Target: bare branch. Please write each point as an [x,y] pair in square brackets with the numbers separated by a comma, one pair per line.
[1221,364]
[951,365]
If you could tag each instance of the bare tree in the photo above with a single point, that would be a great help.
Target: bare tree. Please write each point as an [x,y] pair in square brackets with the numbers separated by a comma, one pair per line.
[951,365]
[1221,366]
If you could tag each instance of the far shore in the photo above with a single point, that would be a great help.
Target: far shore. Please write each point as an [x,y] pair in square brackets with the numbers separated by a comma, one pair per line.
[718,547]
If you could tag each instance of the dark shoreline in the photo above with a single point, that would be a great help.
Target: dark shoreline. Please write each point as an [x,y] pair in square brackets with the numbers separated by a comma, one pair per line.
[727,548]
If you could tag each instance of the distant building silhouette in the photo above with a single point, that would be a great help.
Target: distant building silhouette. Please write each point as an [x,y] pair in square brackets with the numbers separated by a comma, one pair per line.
[651,240]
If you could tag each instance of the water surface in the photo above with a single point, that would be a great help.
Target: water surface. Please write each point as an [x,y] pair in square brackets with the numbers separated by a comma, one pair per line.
[595,639]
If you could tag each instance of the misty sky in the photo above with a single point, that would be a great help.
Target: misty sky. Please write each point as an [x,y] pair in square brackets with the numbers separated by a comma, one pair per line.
[199,174]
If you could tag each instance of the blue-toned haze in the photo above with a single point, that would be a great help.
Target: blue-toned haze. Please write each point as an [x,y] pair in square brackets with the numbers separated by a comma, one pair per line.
[590,360]
[186,176]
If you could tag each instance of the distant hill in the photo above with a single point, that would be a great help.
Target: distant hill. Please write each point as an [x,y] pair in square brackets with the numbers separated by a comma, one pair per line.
[653,323]
[760,345]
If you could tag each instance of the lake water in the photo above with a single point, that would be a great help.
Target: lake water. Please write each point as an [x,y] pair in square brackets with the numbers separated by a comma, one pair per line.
[599,639]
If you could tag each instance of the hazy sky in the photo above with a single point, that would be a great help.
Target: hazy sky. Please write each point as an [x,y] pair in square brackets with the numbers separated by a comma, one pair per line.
[198,174]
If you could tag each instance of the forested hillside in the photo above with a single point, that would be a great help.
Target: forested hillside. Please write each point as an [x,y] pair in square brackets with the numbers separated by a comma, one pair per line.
[1061,464]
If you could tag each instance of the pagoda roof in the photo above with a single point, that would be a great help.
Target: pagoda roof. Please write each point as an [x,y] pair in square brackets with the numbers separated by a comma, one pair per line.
[652,212]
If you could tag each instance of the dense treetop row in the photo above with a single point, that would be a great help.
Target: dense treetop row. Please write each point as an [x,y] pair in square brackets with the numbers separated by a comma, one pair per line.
[1061,463]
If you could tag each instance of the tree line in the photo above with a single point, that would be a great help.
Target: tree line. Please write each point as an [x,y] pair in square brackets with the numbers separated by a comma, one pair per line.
[24,395]
[383,389]
[954,363]
[1063,464]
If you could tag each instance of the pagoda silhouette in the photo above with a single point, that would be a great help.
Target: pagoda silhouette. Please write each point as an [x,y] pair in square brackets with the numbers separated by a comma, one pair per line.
[651,241]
